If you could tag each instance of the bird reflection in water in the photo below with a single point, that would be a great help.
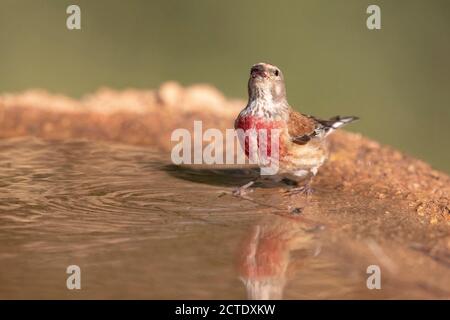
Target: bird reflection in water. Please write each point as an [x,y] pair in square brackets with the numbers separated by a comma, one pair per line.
[272,251]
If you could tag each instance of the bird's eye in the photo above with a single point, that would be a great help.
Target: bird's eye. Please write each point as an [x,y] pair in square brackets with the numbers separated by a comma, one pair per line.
[276,73]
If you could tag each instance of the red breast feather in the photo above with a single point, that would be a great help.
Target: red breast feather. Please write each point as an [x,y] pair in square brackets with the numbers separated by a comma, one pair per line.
[257,123]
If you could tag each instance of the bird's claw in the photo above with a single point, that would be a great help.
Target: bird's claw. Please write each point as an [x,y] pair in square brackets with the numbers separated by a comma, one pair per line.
[306,190]
[243,191]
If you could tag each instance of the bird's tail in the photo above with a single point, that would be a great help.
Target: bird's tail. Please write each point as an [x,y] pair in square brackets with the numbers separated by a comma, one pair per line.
[336,122]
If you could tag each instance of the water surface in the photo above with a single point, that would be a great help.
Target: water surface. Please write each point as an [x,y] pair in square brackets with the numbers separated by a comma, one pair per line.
[140,228]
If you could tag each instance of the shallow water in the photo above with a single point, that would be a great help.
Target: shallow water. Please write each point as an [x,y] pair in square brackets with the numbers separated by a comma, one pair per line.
[140,228]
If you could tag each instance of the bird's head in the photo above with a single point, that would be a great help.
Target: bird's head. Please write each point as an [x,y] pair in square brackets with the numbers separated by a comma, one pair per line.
[266,82]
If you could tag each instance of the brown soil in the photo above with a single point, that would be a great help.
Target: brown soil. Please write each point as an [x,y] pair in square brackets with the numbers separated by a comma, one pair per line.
[138,117]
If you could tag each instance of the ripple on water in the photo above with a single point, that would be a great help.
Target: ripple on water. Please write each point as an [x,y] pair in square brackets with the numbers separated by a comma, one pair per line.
[143,228]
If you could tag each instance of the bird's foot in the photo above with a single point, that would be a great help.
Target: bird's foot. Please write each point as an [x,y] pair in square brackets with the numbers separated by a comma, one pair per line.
[305,190]
[243,191]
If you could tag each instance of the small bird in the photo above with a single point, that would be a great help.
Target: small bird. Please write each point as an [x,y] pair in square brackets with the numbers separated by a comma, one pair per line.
[302,138]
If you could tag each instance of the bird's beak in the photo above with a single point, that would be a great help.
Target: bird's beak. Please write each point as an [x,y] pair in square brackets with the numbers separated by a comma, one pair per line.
[261,73]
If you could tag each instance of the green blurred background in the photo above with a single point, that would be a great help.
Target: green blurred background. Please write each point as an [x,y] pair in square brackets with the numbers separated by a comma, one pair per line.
[396,79]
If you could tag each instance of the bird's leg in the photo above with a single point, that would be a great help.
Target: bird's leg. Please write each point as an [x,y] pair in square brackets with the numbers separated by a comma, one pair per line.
[304,189]
[307,189]
[242,191]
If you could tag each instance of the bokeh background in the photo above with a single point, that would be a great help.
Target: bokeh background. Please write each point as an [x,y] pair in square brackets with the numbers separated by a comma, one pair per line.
[396,79]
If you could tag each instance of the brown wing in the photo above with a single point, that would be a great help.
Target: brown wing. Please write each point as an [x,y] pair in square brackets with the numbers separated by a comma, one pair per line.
[301,128]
